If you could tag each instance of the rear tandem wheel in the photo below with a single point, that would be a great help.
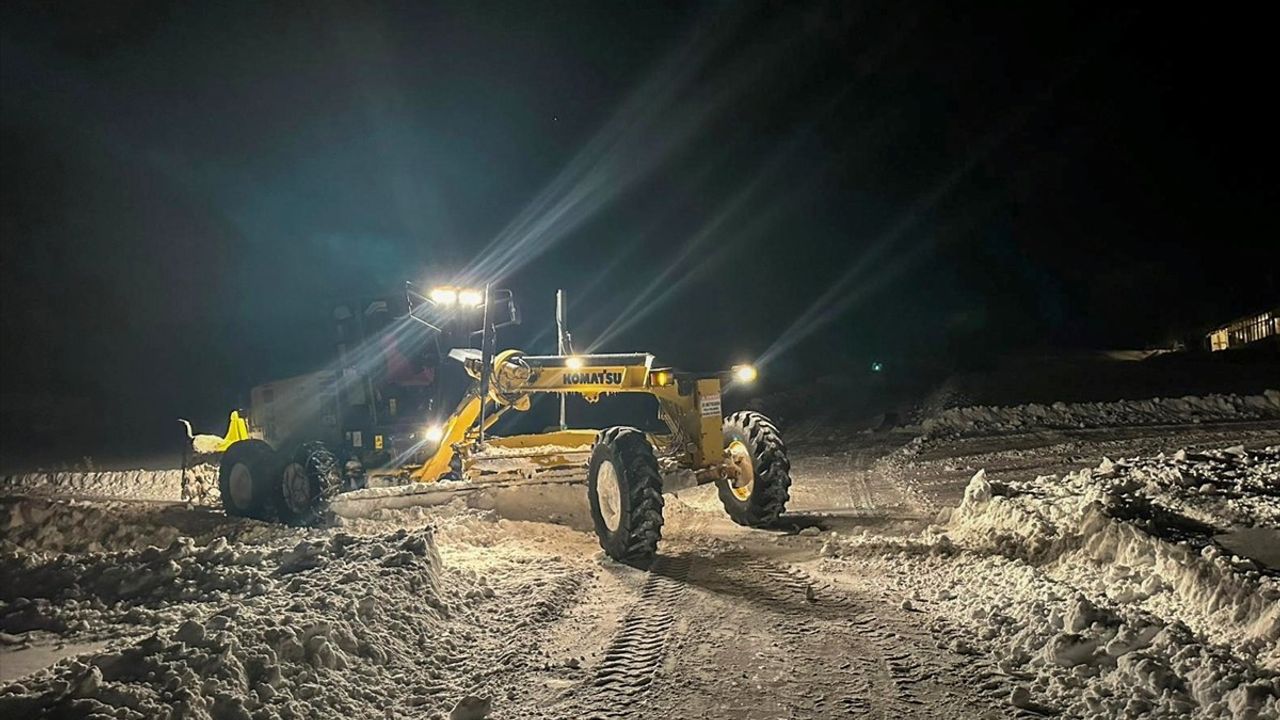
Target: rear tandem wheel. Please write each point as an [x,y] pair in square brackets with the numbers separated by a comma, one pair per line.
[308,483]
[258,482]
[247,480]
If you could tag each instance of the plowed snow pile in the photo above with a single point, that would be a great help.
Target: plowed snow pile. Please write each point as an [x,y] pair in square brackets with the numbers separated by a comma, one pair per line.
[1142,530]
[197,484]
[982,420]
[371,625]
[1107,593]
[271,622]
[74,526]
[1163,608]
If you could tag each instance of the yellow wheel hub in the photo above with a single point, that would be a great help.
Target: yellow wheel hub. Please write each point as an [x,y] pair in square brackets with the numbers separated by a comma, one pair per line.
[745,482]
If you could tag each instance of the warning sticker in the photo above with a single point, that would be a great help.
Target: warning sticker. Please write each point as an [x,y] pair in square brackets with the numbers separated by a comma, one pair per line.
[709,405]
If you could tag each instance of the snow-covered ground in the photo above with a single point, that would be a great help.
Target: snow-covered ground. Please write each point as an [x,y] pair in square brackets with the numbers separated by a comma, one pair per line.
[198,484]
[1007,570]
[1185,536]
[250,620]
[1107,590]
[1153,411]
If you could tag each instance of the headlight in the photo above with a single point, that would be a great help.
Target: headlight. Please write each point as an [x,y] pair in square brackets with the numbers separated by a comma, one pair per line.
[744,373]
[444,296]
[434,434]
[471,298]
[573,363]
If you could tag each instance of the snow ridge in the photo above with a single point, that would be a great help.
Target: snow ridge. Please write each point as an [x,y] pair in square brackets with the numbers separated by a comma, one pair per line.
[1163,604]
[982,420]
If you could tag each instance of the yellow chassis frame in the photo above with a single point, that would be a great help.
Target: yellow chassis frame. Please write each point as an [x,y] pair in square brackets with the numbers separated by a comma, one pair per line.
[689,405]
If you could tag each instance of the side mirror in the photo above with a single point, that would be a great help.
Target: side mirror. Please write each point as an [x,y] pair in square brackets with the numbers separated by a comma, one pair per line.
[513,311]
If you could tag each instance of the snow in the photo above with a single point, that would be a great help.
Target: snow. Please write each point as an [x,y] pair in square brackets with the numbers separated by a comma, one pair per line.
[981,419]
[1161,605]
[74,526]
[1259,543]
[1070,653]
[195,484]
[280,631]
[1142,530]
[1141,586]
[497,451]
[1108,591]
[245,619]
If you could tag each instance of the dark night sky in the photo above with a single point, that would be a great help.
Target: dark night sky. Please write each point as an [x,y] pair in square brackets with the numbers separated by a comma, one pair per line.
[188,187]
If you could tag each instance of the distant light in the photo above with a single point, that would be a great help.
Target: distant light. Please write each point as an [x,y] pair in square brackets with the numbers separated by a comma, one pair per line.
[471,298]
[877,366]
[573,363]
[444,296]
[434,434]
[744,373]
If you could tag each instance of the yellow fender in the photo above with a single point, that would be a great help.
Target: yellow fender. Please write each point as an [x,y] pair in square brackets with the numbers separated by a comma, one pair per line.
[237,430]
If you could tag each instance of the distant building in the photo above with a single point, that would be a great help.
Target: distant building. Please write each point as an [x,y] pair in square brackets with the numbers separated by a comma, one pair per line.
[1245,331]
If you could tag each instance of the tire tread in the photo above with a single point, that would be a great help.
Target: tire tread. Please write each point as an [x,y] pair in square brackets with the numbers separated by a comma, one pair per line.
[773,472]
[643,485]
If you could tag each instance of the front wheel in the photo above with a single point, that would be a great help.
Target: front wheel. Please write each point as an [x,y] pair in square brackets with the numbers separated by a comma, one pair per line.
[624,488]
[760,493]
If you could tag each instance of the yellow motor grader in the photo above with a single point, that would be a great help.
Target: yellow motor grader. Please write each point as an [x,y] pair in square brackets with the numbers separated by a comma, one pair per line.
[625,469]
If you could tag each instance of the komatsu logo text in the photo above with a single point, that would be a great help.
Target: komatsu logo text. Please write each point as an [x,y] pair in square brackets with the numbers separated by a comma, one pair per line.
[592,377]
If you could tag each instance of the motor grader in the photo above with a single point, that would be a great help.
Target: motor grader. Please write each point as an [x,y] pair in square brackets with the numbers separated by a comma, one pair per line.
[625,469]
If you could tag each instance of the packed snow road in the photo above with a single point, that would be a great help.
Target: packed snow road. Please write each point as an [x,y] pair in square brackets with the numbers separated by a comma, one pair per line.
[741,633]
[1002,576]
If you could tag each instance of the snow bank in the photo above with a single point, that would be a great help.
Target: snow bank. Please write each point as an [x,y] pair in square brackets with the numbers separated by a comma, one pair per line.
[196,484]
[74,526]
[1156,411]
[1103,594]
[1074,654]
[1107,593]
[1142,530]
[325,627]
[240,619]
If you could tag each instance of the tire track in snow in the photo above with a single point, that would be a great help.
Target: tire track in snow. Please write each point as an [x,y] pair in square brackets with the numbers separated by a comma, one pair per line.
[637,650]
[886,671]
[549,602]
[881,680]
